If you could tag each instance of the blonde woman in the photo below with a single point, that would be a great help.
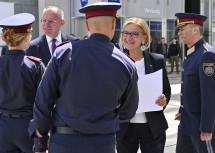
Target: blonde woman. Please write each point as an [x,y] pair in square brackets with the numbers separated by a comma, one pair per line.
[145,130]
[20,76]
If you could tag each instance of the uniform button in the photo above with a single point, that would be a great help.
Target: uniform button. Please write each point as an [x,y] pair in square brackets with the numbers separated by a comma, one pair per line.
[181,94]
[182,70]
[182,106]
[181,82]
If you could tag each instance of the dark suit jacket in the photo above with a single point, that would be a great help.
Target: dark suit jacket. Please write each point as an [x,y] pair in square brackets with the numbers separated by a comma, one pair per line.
[39,47]
[159,49]
[156,119]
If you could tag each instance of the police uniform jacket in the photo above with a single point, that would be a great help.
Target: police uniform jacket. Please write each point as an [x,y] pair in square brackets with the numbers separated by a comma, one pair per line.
[20,76]
[39,47]
[88,86]
[197,90]
[156,119]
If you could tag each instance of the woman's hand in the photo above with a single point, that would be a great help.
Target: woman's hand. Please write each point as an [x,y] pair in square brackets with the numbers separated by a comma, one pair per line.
[161,101]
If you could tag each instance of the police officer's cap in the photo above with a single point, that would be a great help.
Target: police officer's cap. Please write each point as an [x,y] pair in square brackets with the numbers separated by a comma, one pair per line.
[189,18]
[100,9]
[21,23]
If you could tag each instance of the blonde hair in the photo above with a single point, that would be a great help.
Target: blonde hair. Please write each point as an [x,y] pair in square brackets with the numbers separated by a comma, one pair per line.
[13,39]
[143,26]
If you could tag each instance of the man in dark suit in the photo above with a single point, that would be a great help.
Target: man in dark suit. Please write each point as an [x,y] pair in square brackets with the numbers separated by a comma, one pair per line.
[162,48]
[43,46]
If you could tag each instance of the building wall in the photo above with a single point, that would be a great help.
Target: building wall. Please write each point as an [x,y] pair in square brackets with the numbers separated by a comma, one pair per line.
[65,5]
[159,10]
[7,12]
[155,10]
[26,6]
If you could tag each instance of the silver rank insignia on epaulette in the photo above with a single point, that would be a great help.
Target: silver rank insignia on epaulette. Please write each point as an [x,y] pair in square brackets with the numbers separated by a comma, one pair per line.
[205,47]
[189,51]
[208,68]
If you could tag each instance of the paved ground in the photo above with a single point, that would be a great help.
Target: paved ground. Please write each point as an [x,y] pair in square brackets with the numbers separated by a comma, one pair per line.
[171,110]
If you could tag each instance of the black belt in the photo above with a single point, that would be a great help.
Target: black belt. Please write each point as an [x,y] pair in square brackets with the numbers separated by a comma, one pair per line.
[11,115]
[68,130]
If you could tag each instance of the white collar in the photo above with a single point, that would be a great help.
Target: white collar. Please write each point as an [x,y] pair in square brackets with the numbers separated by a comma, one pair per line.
[58,38]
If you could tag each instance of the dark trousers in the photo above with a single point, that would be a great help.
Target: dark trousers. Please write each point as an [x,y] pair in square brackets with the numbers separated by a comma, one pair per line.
[69,143]
[174,59]
[193,144]
[139,135]
[14,137]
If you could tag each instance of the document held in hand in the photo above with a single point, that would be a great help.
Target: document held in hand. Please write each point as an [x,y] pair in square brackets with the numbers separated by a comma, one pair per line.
[150,88]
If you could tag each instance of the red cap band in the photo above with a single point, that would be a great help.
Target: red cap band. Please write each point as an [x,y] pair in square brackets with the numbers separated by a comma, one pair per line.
[103,12]
[198,21]
[22,29]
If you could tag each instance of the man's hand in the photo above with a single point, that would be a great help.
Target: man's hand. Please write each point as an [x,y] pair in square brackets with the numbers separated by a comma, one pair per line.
[205,136]
[38,134]
[40,143]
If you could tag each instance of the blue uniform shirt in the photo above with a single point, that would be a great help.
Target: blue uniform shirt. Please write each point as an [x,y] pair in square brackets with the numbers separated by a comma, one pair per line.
[19,78]
[89,85]
[198,90]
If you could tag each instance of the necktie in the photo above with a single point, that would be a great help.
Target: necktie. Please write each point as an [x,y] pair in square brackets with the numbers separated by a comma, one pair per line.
[53,45]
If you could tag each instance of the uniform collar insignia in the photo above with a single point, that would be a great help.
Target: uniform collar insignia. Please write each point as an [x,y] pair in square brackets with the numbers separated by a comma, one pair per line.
[208,68]
[189,51]
[205,47]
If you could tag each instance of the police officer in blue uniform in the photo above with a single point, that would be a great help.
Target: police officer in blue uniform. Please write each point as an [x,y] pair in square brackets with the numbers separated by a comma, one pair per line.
[88,88]
[20,76]
[196,114]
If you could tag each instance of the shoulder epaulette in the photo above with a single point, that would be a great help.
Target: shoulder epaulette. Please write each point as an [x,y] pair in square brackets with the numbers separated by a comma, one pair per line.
[205,47]
[65,42]
[34,58]
[191,50]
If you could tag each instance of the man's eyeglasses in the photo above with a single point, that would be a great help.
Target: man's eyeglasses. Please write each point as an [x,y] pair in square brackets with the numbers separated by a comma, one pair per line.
[49,21]
[132,34]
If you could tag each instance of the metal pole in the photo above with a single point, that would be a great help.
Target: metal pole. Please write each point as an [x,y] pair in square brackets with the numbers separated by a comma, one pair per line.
[210,21]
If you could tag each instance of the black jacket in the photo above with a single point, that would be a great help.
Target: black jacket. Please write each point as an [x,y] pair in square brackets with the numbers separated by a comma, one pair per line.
[156,119]
[174,50]
[159,49]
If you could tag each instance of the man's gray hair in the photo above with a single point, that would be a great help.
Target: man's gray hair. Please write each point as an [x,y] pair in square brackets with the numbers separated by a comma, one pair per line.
[59,11]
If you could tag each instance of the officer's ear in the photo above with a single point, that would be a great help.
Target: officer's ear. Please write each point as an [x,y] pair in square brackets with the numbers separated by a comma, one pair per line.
[114,23]
[87,26]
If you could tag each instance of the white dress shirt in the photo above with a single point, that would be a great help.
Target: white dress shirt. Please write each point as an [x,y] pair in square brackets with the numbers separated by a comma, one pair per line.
[49,40]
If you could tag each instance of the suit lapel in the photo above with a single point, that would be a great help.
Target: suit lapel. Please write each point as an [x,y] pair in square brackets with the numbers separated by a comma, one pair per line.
[148,63]
[44,49]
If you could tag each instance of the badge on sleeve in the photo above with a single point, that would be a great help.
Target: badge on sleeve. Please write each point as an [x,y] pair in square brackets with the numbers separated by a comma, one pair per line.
[208,68]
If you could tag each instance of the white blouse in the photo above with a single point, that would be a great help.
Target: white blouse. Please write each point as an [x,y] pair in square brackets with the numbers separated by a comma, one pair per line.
[140,117]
